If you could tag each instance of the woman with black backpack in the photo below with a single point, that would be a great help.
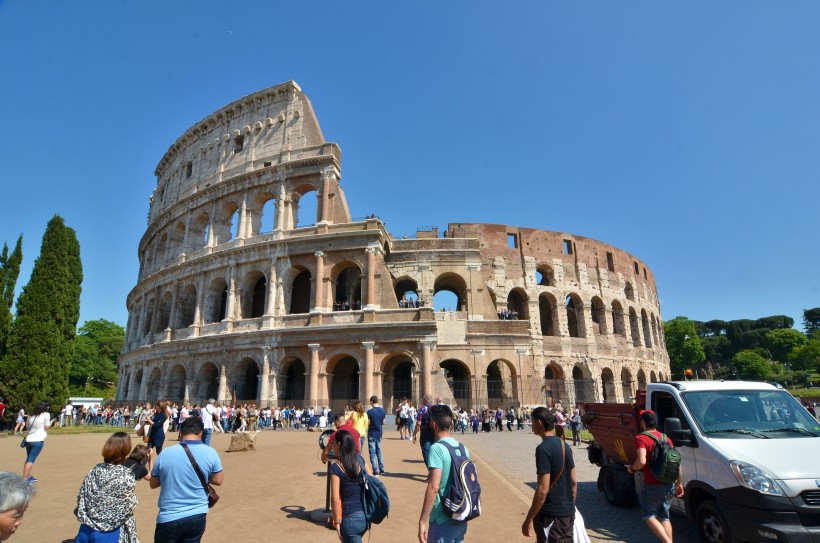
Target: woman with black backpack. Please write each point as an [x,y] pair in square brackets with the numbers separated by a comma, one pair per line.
[345,490]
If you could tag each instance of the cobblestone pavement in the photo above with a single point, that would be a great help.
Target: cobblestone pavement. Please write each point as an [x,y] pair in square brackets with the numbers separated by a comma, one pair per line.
[513,456]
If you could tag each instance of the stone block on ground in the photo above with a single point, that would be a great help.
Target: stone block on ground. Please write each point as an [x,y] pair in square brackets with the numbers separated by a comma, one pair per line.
[243,441]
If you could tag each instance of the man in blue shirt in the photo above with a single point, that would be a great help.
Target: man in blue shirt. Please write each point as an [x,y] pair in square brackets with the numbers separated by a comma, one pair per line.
[374,435]
[183,502]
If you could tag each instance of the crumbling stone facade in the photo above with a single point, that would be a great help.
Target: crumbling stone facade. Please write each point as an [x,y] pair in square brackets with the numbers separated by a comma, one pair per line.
[236,299]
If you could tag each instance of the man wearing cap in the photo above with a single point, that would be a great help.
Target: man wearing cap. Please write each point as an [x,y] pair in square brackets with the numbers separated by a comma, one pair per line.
[656,497]
[342,423]
[374,435]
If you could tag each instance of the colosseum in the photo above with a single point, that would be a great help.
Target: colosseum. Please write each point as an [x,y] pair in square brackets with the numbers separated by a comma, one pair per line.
[256,284]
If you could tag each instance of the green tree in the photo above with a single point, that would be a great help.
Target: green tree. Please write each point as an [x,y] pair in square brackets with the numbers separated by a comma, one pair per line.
[774,322]
[783,341]
[752,366]
[718,349]
[806,356]
[811,320]
[94,365]
[9,271]
[683,345]
[40,345]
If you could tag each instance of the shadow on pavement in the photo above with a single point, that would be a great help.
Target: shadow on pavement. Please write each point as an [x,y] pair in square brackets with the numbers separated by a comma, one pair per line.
[293,511]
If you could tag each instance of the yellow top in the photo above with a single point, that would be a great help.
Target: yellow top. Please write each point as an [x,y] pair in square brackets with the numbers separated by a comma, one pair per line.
[360,422]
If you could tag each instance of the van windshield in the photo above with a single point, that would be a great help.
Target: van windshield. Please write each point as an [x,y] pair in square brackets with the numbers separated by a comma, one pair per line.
[764,414]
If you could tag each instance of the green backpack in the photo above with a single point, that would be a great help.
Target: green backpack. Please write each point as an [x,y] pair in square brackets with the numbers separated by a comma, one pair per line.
[664,461]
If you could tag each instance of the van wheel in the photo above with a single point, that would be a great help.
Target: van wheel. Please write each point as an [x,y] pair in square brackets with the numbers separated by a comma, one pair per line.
[712,525]
[613,494]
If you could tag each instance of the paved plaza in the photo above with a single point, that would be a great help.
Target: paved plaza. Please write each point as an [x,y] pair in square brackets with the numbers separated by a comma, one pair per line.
[269,493]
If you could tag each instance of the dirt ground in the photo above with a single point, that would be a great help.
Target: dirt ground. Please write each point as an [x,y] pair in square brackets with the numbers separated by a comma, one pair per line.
[267,494]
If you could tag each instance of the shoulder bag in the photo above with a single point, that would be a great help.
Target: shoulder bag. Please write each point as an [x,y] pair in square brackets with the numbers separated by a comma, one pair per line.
[213,497]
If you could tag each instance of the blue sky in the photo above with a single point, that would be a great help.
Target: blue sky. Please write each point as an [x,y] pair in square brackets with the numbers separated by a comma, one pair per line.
[686,134]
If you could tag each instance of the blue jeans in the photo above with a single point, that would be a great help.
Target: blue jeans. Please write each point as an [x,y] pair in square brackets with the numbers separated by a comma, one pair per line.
[374,444]
[184,530]
[206,435]
[451,531]
[353,527]
[425,452]
[33,449]
[656,500]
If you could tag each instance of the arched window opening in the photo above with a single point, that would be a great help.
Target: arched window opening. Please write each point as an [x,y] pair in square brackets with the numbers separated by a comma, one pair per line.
[445,301]
[294,380]
[347,288]
[233,226]
[245,382]
[554,386]
[206,235]
[618,327]
[608,380]
[216,302]
[633,328]
[654,329]
[545,276]
[152,392]
[641,380]
[306,209]
[161,253]
[300,293]
[585,390]
[455,285]
[164,315]
[647,334]
[177,243]
[176,384]
[407,293]
[627,386]
[398,382]
[575,316]
[267,217]
[548,307]
[206,385]
[501,385]
[516,306]
[652,378]
[149,316]
[598,317]
[186,307]
[344,388]
[629,292]
[454,383]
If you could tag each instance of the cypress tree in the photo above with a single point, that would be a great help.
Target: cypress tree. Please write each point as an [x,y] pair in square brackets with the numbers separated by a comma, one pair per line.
[40,345]
[9,271]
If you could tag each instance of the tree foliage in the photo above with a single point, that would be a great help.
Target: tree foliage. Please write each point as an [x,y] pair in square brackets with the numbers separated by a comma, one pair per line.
[9,272]
[94,364]
[781,342]
[811,320]
[751,366]
[806,356]
[41,343]
[683,345]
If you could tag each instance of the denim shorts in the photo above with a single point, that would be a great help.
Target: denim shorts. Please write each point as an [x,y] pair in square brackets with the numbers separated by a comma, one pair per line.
[655,501]
[353,527]
[33,449]
[451,531]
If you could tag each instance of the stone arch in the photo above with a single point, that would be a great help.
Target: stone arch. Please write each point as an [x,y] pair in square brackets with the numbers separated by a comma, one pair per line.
[654,328]
[575,315]
[584,384]
[454,383]
[304,206]
[161,251]
[164,313]
[554,384]
[548,309]
[244,383]
[149,316]
[544,275]
[216,301]
[346,283]
[200,227]
[299,289]
[633,328]
[292,381]
[641,380]
[629,292]
[254,294]
[186,306]
[399,370]
[517,301]
[229,219]
[206,383]
[647,333]
[608,385]
[502,386]
[343,373]
[627,386]
[263,213]
[154,379]
[454,284]
[135,391]
[598,311]
[407,289]
[618,326]
[177,241]
[652,378]
[176,383]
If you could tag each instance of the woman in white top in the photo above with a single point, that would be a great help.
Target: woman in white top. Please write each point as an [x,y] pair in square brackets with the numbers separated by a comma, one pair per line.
[37,424]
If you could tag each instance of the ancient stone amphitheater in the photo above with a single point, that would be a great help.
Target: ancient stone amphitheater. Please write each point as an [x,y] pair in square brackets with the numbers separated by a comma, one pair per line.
[256,284]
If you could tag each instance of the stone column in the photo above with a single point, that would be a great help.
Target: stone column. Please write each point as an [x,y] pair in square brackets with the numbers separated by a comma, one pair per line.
[324,205]
[471,269]
[368,369]
[313,389]
[231,307]
[132,378]
[172,314]
[318,290]
[270,303]
[264,383]
[222,390]
[243,228]
[186,393]
[370,301]
[146,374]
[427,366]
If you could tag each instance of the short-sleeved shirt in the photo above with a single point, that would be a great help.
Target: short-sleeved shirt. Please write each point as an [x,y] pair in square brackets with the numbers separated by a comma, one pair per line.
[423,418]
[645,442]
[181,494]
[350,491]
[548,459]
[376,415]
[440,459]
[353,432]
[208,416]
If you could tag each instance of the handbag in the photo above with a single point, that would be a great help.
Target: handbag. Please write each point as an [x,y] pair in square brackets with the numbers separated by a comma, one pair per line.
[140,431]
[213,497]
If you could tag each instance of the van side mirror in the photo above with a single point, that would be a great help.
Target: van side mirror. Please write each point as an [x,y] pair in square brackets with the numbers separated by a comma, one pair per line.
[679,436]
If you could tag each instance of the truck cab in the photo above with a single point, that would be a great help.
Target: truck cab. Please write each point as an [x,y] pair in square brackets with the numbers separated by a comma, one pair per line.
[749,453]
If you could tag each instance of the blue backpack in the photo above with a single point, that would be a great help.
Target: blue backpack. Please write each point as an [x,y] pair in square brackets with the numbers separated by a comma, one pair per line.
[375,502]
[463,498]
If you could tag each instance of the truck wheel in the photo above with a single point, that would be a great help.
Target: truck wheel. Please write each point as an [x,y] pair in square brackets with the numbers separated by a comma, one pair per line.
[712,525]
[613,494]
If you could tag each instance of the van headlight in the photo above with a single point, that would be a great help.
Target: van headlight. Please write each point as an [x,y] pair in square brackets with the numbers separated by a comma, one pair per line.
[755,478]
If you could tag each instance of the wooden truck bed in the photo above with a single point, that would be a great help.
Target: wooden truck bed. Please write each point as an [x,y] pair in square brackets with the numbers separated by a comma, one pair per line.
[614,426]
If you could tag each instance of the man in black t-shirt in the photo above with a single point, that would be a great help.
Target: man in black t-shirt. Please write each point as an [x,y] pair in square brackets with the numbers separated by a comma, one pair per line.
[554,499]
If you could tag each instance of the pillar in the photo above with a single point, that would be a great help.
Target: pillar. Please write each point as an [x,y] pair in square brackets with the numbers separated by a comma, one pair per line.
[264,382]
[146,374]
[324,204]
[313,388]
[427,367]
[370,301]
[368,369]
[243,228]
[222,391]
[280,208]
[270,303]
[318,290]
[172,313]
[231,307]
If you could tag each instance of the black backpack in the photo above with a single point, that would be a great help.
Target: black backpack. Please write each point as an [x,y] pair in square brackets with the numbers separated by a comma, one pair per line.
[463,498]
[375,502]
[664,461]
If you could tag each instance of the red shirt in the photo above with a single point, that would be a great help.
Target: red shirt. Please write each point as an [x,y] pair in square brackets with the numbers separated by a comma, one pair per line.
[645,442]
[2,408]
[356,437]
